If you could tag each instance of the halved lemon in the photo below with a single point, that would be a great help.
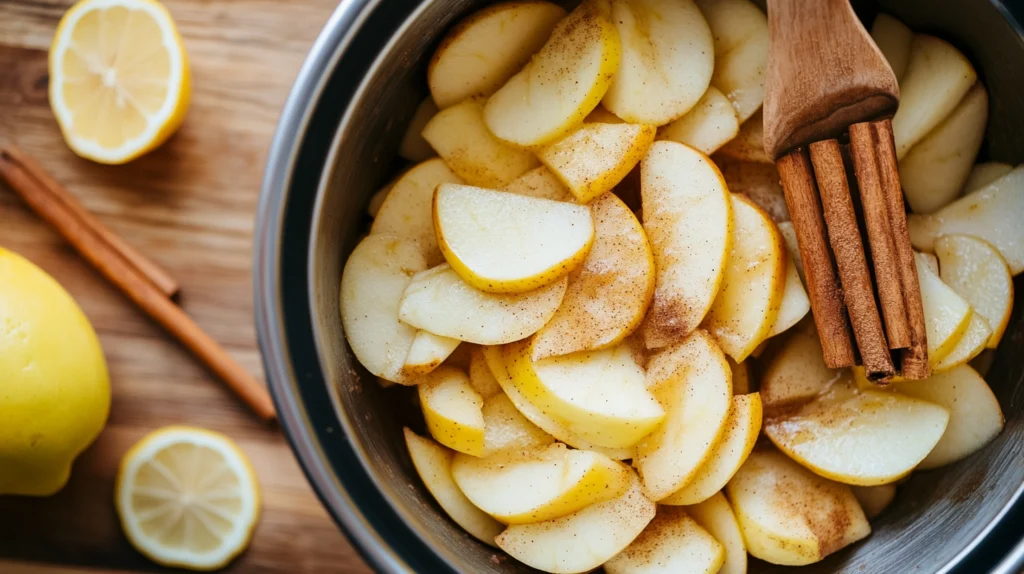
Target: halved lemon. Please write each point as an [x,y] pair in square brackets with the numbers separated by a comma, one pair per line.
[187,498]
[119,78]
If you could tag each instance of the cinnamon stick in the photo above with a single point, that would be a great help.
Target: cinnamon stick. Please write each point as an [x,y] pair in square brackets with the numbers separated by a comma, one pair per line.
[914,360]
[830,315]
[864,154]
[160,278]
[135,285]
[848,249]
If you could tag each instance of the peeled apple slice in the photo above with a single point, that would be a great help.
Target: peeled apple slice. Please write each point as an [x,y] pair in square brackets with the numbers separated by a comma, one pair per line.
[893,38]
[760,183]
[433,463]
[667,60]
[716,516]
[874,499]
[795,303]
[976,271]
[439,301]
[480,376]
[594,158]
[860,437]
[983,174]
[946,314]
[583,540]
[487,48]
[740,30]
[748,145]
[427,352]
[970,345]
[501,242]
[796,372]
[540,182]
[452,410]
[506,428]
[709,124]
[562,83]
[413,147]
[673,543]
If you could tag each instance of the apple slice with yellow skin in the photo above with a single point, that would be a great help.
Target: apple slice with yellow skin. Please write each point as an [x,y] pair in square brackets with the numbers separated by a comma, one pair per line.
[741,431]
[976,271]
[583,540]
[893,38]
[480,374]
[413,147]
[433,464]
[990,213]
[427,352]
[506,428]
[562,83]
[796,372]
[709,124]
[874,499]
[748,145]
[795,303]
[934,171]
[608,295]
[406,212]
[688,217]
[716,516]
[501,242]
[974,414]
[861,437]
[600,395]
[533,485]
[789,515]
[452,410]
[693,383]
[459,136]
[375,276]
[970,345]
[937,78]
[487,48]
[983,174]
[741,384]
[667,60]
[594,158]
[439,301]
[496,362]
[740,30]
[946,314]
[673,543]
[753,284]
[540,182]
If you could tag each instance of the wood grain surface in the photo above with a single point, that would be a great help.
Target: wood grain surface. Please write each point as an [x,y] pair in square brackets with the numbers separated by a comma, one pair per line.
[190,206]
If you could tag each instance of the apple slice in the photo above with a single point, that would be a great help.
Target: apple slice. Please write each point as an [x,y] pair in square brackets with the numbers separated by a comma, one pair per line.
[375,276]
[487,48]
[874,499]
[753,285]
[974,414]
[406,213]
[740,30]
[789,515]
[562,83]
[433,463]
[459,136]
[796,372]
[540,182]
[709,125]
[976,271]
[934,171]
[600,395]
[496,362]
[748,145]
[452,410]
[506,428]
[990,213]
[983,174]
[583,540]
[608,295]
[937,78]
[501,242]
[716,516]
[427,352]
[439,301]
[932,261]
[860,437]
[795,303]
[970,345]
[667,60]
[759,182]
[693,382]
[673,543]
[480,374]
[740,377]
[893,38]
[741,431]
[688,217]
[792,247]
[533,485]
[413,147]
[946,314]
[594,158]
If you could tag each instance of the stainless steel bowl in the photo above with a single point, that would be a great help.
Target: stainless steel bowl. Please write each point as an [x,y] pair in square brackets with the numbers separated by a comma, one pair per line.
[335,145]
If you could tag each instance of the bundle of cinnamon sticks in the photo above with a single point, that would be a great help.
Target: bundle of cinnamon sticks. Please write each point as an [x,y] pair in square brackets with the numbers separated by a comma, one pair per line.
[869,297]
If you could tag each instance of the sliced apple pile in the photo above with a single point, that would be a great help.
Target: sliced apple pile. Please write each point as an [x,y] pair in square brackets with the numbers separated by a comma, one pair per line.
[740,30]
[672,543]
[709,125]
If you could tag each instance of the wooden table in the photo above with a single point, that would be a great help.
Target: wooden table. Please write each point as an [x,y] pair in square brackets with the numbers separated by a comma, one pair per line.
[190,206]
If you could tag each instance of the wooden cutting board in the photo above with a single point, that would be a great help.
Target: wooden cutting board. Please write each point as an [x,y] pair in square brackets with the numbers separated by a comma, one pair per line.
[190,206]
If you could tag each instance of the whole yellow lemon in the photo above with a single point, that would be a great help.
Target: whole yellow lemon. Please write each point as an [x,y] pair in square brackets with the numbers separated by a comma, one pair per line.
[54,387]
